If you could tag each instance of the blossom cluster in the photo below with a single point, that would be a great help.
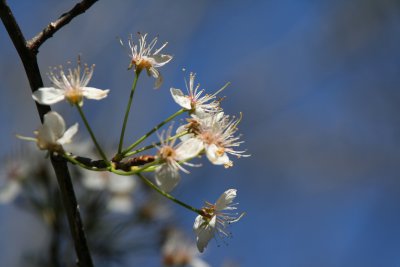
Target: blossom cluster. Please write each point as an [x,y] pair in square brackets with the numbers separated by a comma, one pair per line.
[208,131]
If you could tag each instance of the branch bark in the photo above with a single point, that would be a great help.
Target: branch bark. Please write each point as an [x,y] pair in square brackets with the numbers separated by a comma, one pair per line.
[53,27]
[27,53]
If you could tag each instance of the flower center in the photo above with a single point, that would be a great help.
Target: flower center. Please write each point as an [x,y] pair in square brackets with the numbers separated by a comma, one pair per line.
[167,153]
[209,138]
[74,95]
[220,151]
[208,211]
[142,63]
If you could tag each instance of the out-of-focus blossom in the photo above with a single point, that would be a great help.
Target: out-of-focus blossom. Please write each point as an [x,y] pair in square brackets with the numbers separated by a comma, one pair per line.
[143,57]
[195,101]
[71,86]
[52,135]
[119,187]
[179,251]
[12,176]
[217,135]
[215,218]
[154,209]
[167,173]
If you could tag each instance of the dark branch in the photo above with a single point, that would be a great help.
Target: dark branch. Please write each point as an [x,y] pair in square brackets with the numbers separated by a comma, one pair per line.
[29,60]
[124,165]
[53,27]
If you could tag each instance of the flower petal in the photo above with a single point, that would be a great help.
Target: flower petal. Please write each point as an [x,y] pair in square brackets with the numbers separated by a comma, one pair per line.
[185,137]
[157,75]
[213,155]
[48,95]
[94,93]
[67,137]
[204,231]
[52,129]
[189,149]
[161,60]
[225,199]
[167,177]
[180,98]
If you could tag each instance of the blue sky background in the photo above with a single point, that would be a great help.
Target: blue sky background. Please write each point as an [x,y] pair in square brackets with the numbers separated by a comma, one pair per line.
[317,82]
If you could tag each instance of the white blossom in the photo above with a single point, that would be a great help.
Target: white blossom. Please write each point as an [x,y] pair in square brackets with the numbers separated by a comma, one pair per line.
[179,251]
[15,171]
[195,101]
[215,218]
[71,86]
[143,57]
[217,133]
[12,176]
[167,173]
[52,135]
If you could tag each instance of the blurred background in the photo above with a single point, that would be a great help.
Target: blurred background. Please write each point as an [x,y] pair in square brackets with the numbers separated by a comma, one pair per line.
[317,82]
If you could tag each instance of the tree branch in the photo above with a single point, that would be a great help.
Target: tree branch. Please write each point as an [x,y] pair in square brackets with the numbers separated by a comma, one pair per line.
[29,61]
[53,27]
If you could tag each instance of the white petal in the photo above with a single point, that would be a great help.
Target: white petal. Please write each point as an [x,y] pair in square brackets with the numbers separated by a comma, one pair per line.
[48,95]
[157,75]
[204,231]
[225,199]
[200,112]
[180,98]
[219,116]
[153,72]
[214,156]
[94,93]
[55,122]
[182,128]
[161,60]
[189,149]
[51,130]
[67,137]
[167,177]
[159,81]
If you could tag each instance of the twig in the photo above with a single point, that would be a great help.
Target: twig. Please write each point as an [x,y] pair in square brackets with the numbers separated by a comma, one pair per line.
[29,60]
[54,26]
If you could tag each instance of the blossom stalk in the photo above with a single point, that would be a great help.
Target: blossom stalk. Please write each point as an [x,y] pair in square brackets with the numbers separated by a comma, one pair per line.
[99,149]
[127,111]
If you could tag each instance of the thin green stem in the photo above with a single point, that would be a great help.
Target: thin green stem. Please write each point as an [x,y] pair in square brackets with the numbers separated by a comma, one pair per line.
[165,194]
[128,108]
[92,135]
[144,137]
[155,144]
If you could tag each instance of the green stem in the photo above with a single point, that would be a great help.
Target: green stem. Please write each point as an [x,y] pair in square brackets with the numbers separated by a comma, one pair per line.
[92,135]
[165,194]
[155,144]
[128,108]
[144,137]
